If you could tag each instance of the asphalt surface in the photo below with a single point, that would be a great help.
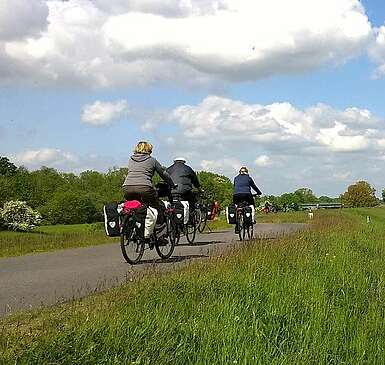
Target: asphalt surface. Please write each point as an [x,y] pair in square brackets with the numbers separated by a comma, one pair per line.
[32,281]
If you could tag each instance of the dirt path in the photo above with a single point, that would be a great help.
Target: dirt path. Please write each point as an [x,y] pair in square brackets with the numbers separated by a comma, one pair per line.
[47,278]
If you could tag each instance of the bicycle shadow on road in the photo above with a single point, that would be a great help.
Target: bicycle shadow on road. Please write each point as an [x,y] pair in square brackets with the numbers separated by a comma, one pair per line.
[173,259]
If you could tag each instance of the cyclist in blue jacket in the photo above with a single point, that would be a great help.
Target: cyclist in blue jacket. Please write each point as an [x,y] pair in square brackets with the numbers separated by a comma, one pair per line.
[243,184]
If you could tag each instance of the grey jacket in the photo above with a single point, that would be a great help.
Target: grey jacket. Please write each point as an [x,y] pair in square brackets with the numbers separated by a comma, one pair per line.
[141,169]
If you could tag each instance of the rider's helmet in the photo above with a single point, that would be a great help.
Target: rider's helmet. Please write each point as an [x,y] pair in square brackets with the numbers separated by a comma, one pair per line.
[180,159]
[243,170]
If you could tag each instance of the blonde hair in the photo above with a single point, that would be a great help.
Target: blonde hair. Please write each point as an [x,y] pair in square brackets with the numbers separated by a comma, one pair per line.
[243,170]
[143,147]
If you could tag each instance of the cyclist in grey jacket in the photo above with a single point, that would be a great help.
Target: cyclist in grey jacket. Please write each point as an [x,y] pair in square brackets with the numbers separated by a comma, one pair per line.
[138,182]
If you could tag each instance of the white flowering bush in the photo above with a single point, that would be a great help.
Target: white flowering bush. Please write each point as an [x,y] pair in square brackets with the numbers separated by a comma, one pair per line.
[18,216]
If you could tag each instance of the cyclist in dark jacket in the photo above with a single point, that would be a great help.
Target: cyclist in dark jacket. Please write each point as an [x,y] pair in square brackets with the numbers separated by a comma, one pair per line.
[185,178]
[243,184]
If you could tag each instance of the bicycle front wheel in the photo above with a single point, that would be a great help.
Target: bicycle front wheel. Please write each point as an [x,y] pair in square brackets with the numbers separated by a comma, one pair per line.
[165,251]
[132,246]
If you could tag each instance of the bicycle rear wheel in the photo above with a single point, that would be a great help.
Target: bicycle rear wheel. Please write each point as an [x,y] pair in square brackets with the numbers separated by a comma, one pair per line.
[191,227]
[241,227]
[250,231]
[132,245]
[203,220]
[166,251]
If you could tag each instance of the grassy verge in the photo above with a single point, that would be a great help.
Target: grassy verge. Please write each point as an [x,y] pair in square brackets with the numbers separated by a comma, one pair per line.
[49,238]
[314,298]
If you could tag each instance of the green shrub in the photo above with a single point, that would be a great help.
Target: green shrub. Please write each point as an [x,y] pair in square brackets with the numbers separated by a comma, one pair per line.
[18,216]
[70,207]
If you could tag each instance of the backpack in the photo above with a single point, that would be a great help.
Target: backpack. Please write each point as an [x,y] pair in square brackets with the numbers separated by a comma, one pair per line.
[231,214]
[111,219]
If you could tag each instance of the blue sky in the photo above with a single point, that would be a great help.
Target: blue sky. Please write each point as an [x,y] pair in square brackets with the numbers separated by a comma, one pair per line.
[309,112]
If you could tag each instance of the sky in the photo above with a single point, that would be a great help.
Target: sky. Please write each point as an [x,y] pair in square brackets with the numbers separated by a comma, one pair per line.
[294,90]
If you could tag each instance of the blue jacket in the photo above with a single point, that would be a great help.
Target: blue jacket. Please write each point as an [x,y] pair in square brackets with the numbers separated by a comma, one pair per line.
[243,184]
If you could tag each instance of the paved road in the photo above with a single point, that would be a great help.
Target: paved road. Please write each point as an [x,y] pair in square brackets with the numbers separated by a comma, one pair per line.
[47,278]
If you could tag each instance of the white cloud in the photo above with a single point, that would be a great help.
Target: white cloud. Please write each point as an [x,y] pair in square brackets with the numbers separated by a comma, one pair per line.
[377,51]
[43,157]
[335,139]
[263,161]
[64,161]
[279,125]
[20,18]
[166,8]
[120,43]
[103,113]
[226,165]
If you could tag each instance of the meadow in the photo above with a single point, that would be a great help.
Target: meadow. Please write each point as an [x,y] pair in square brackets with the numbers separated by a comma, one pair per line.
[316,297]
[49,238]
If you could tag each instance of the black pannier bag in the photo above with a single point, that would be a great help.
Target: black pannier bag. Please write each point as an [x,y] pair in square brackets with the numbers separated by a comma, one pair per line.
[248,214]
[231,211]
[111,219]
[179,212]
[140,218]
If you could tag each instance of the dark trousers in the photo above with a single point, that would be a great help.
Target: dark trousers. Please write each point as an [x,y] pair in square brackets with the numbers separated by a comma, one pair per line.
[147,195]
[191,197]
[240,198]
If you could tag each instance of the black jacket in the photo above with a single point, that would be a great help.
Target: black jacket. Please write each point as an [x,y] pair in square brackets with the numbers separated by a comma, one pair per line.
[184,176]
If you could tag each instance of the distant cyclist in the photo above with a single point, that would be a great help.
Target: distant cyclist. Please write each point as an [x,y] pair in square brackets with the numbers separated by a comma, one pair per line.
[243,184]
[185,178]
[138,182]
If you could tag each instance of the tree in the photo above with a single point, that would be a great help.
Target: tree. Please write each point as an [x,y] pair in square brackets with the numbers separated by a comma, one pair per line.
[360,194]
[7,167]
[70,207]
[217,187]
[290,199]
[383,195]
[327,199]
[306,196]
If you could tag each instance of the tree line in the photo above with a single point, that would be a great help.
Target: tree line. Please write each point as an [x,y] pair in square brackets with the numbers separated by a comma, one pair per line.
[67,198]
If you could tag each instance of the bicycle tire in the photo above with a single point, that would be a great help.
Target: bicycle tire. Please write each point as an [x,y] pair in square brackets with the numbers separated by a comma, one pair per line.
[178,233]
[240,226]
[191,228]
[132,246]
[251,234]
[203,220]
[165,252]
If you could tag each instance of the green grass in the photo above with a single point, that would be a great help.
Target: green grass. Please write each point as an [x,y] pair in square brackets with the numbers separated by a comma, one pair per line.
[49,238]
[317,297]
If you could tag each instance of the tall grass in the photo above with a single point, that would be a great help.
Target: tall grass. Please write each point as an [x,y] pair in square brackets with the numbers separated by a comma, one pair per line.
[313,298]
